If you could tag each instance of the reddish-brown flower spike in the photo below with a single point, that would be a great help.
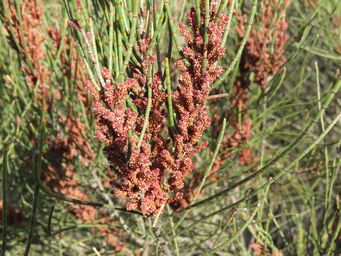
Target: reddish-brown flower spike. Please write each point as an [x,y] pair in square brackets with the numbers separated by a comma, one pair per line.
[31,43]
[74,24]
[263,55]
[149,166]
[15,215]
[264,50]
[78,5]
[191,95]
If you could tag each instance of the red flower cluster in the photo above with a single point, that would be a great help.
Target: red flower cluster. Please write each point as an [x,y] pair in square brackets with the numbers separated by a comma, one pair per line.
[260,249]
[264,51]
[60,175]
[14,214]
[111,234]
[194,86]
[263,55]
[150,167]
[134,160]
[27,38]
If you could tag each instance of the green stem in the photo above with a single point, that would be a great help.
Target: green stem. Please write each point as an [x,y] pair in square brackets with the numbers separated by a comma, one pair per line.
[94,52]
[37,171]
[207,20]
[173,231]
[33,217]
[227,29]
[4,199]
[119,53]
[198,13]
[172,27]
[169,93]
[158,53]
[111,37]
[221,7]
[326,157]
[90,49]
[279,156]
[146,116]
[132,35]
[274,179]
[49,222]
[157,31]
[222,77]
[122,19]
[239,232]
[207,171]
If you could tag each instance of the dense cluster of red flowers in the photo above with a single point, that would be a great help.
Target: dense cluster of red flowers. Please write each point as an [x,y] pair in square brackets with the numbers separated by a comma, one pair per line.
[60,175]
[260,249]
[264,52]
[263,56]
[150,161]
[14,214]
[27,38]
[26,35]
[151,164]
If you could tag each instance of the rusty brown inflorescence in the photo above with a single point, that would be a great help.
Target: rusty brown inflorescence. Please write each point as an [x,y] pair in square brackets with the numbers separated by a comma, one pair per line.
[26,34]
[27,38]
[265,47]
[15,215]
[150,168]
[263,56]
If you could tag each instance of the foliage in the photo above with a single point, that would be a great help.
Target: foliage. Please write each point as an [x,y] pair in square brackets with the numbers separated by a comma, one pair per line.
[170,127]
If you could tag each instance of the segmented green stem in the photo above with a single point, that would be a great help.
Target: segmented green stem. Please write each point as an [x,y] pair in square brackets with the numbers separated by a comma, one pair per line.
[122,26]
[119,53]
[221,7]
[215,154]
[157,31]
[132,36]
[198,12]
[205,30]
[289,148]
[323,129]
[239,232]
[116,57]
[121,16]
[37,171]
[111,37]
[87,66]
[4,198]
[207,171]
[158,53]
[222,77]
[95,55]
[227,29]
[33,217]
[90,49]
[169,93]
[146,116]
[172,27]
[335,234]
